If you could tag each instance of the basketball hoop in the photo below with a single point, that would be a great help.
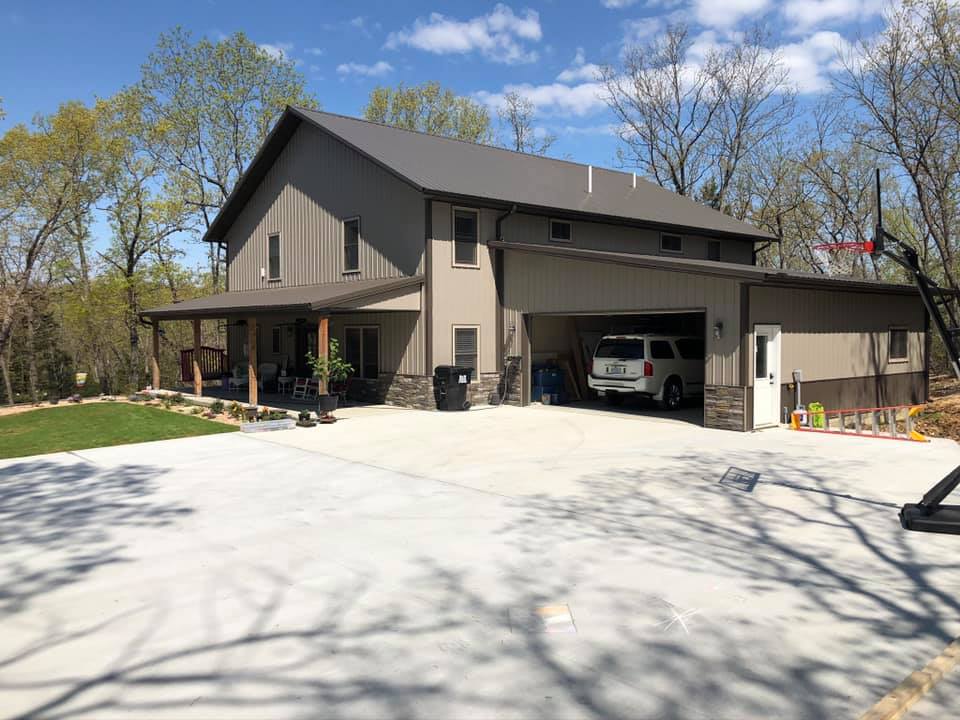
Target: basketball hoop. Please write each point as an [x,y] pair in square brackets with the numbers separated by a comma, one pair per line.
[861,247]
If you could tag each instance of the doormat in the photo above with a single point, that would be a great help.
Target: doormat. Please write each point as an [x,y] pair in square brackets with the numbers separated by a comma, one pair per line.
[740,479]
[546,619]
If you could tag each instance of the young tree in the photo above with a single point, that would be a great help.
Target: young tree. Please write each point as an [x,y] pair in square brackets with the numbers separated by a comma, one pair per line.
[430,108]
[518,114]
[207,107]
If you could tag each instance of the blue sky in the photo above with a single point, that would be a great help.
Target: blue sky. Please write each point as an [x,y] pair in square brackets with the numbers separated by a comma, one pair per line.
[547,50]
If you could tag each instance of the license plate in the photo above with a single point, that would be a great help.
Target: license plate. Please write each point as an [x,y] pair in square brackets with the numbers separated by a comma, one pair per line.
[616,370]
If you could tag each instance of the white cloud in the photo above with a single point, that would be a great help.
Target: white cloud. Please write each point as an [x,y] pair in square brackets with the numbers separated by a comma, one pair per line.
[579,69]
[315,51]
[617,4]
[726,13]
[812,59]
[802,15]
[499,36]
[378,69]
[552,99]
[278,51]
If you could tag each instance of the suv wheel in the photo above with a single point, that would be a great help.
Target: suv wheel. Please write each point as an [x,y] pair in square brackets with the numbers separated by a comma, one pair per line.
[672,395]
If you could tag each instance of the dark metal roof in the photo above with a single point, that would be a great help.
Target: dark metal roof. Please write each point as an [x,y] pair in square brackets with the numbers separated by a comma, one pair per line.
[455,168]
[750,273]
[303,298]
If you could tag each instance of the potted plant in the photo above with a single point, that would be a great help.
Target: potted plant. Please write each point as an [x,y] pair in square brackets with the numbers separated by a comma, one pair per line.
[331,368]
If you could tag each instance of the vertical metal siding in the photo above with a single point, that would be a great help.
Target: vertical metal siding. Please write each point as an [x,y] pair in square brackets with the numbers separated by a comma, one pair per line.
[542,284]
[535,230]
[402,341]
[314,185]
[836,334]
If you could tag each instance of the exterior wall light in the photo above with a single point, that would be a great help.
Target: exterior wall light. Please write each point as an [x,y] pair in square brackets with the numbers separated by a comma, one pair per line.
[717,330]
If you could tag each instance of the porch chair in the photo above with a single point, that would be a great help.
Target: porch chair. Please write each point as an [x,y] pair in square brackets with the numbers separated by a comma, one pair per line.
[239,378]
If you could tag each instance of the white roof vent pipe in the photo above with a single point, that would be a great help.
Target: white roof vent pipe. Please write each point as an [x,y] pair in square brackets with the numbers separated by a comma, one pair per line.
[634,183]
[589,178]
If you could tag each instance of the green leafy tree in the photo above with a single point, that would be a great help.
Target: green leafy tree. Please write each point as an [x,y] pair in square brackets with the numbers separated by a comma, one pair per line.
[432,109]
[207,106]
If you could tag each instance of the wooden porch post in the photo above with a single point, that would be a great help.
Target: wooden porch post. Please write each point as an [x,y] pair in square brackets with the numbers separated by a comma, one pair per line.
[155,357]
[323,346]
[252,360]
[197,370]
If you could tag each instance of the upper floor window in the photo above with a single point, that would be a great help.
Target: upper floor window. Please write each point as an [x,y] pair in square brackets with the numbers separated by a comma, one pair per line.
[561,231]
[351,245]
[671,243]
[273,256]
[898,344]
[713,250]
[466,238]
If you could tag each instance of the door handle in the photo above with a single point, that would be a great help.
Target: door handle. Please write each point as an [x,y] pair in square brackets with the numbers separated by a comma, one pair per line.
[771,377]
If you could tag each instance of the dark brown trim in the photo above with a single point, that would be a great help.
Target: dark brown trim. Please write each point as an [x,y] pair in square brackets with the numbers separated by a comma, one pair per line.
[746,363]
[427,309]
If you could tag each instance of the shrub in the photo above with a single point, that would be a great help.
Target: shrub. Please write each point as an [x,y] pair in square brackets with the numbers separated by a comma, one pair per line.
[177,399]
[196,410]
[235,411]
[216,407]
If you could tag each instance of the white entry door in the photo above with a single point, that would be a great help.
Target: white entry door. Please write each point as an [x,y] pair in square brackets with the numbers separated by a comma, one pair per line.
[766,375]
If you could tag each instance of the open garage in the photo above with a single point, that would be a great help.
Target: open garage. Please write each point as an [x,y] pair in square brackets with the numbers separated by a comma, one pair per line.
[637,363]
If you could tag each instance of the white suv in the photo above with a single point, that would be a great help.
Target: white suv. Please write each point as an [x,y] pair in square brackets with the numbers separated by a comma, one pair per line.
[666,368]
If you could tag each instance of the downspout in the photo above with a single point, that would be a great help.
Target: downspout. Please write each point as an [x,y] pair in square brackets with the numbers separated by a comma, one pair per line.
[758,250]
[498,281]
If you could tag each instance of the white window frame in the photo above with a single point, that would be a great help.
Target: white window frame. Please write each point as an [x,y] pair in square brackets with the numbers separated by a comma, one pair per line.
[550,223]
[453,348]
[358,371]
[906,345]
[672,252]
[343,244]
[279,276]
[453,237]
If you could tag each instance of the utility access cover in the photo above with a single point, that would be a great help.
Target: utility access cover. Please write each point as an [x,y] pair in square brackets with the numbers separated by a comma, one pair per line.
[546,619]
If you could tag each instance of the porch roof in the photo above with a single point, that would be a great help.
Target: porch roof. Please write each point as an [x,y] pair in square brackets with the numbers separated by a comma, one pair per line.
[359,295]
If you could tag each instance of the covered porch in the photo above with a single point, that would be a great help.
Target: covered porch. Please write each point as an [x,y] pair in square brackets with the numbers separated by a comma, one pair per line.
[268,334]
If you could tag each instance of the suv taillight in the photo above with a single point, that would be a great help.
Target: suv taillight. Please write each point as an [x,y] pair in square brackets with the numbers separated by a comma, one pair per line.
[647,368]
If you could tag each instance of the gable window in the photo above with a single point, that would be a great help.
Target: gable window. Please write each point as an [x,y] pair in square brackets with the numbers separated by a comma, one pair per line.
[361,348]
[275,341]
[897,351]
[351,245]
[273,256]
[713,250]
[671,243]
[561,231]
[466,238]
[466,348]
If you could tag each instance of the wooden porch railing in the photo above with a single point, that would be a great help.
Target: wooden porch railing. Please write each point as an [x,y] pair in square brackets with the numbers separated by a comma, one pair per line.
[213,363]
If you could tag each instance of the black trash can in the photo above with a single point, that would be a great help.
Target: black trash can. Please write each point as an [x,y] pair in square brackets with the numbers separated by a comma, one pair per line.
[450,383]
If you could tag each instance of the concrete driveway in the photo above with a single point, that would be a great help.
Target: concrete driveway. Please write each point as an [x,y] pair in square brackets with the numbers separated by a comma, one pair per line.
[392,565]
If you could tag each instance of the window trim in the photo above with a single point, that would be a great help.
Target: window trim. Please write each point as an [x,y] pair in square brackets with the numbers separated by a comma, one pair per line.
[671,252]
[906,344]
[343,244]
[453,237]
[453,347]
[279,275]
[358,372]
[551,238]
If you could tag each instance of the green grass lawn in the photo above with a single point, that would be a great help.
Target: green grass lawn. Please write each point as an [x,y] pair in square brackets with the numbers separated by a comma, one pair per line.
[76,427]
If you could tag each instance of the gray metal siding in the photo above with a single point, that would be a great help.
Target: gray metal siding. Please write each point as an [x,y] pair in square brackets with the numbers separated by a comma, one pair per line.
[315,184]
[833,334]
[542,284]
[535,230]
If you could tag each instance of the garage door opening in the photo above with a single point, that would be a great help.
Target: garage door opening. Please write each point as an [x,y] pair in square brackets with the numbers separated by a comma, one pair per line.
[648,364]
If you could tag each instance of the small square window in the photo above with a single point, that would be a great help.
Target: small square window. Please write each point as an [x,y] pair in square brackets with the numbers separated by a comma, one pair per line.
[898,344]
[273,251]
[560,231]
[466,238]
[671,243]
[351,245]
[713,250]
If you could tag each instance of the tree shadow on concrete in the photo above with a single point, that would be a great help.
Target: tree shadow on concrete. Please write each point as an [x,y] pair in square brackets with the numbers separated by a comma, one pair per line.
[57,521]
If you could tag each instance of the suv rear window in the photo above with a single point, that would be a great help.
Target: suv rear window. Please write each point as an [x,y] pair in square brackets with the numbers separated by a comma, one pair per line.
[690,348]
[661,350]
[622,349]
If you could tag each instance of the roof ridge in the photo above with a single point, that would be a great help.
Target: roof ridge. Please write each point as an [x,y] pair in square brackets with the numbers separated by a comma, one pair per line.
[470,142]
